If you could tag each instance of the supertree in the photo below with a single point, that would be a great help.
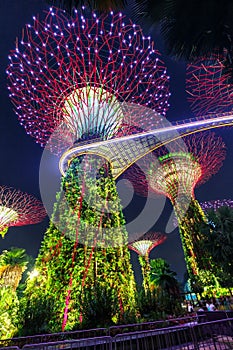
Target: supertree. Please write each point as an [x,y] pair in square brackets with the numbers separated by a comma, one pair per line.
[176,174]
[143,246]
[65,68]
[209,85]
[18,209]
[69,80]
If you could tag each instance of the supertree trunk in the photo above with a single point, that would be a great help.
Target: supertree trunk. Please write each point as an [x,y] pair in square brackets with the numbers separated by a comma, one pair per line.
[89,251]
[145,264]
[189,228]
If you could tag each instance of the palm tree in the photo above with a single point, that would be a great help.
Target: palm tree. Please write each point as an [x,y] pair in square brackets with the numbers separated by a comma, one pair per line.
[167,287]
[13,263]
[100,5]
[151,11]
[163,277]
[191,28]
[197,28]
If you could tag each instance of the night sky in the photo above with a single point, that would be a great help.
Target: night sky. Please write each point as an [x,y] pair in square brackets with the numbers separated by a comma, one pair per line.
[21,156]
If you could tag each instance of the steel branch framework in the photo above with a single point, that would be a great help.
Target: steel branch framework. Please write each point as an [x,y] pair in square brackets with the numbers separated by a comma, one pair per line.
[209,85]
[179,172]
[74,72]
[181,168]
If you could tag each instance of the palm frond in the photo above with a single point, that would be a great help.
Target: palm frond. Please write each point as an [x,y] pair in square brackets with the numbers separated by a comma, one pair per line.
[149,10]
[14,257]
[196,28]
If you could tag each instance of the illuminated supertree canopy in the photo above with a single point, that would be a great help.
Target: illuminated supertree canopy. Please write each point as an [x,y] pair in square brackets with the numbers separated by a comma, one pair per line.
[75,71]
[216,204]
[143,246]
[180,172]
[209,85]
[188,165]
[18,209]
[176,174]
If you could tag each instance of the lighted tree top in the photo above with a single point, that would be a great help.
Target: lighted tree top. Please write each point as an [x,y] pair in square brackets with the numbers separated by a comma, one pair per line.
[209,85]
[176,174]
[75,71]
[190,164]
[18,209]
[180,171]
[143,246]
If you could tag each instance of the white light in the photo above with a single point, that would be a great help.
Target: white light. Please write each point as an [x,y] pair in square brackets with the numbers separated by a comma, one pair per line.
[91,107]
[7,216]
[33,274]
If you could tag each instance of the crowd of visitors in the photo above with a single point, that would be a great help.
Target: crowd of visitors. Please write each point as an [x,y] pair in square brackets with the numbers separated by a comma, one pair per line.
[212,304]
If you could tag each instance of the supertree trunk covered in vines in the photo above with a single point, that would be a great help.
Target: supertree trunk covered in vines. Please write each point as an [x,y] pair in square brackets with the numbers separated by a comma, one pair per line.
[197,262]
[176,178]
[88,252]
[145,264]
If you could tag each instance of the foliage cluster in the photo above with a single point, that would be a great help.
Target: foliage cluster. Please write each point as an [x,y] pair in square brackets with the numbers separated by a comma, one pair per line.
[198,259]
[218,242]
[92,285]
[9,309]
[84,263]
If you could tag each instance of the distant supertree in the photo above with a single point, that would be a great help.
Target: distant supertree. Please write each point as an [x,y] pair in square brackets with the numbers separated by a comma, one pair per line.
[175,175]
[143,246]
[209,85]
[18,209]
[70,77]
[216,204]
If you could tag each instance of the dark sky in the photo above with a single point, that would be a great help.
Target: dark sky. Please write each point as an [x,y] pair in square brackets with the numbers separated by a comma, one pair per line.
[21,156]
